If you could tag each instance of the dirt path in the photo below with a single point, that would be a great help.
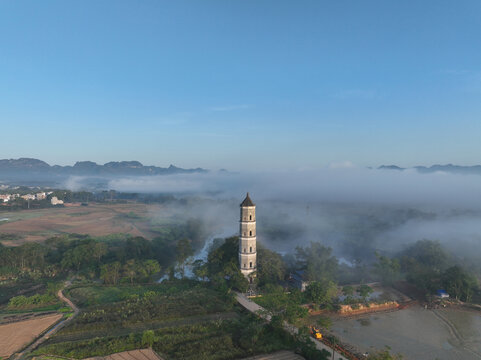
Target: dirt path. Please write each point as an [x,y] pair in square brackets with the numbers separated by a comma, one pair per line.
[53,330]
[259,310]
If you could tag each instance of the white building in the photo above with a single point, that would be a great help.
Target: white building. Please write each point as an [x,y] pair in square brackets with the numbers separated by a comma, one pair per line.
[28,197]
[56,201]
[41,196]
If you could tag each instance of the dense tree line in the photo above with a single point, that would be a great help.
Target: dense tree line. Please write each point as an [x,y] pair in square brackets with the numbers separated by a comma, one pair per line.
[428,266]
[114,260]
[68,196]
[109,196]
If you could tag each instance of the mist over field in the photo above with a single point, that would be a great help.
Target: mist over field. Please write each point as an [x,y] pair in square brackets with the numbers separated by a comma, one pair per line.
[331,185]
[354,210]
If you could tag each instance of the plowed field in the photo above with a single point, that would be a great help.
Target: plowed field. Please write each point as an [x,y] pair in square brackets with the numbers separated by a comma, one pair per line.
[15,335]
[95,220]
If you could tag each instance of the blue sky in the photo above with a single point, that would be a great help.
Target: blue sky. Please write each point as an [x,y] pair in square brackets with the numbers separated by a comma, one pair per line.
[241,84]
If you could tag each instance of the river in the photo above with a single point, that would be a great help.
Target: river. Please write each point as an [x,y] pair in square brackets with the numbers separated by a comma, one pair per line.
[200,255]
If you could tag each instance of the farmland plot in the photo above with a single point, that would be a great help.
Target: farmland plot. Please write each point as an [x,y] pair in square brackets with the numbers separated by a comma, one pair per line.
[15,335]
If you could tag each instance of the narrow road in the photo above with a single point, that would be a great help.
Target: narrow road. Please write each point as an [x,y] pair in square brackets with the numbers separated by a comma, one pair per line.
[259,310]
[53,330]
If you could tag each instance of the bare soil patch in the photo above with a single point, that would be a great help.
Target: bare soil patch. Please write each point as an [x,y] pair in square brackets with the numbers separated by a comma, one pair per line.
[95,220]
[15,335]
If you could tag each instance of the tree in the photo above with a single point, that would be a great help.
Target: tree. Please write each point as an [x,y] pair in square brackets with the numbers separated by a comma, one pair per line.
[164,251]
[348,292]
[76,257]
[307,348]
[318,262]
[199,268]
[99,250]
[364,291]
[149,338]
[223,265]
[423,262]
[321,292]
[388,269]
[131,269]
[428,253]
[149,268]
[459,283]
[250,334]
[270,266]
[236,279]
[110,273]
[183,252]
[138,248]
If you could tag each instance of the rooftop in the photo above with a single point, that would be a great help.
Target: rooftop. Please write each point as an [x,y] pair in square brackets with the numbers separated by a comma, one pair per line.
[247,201]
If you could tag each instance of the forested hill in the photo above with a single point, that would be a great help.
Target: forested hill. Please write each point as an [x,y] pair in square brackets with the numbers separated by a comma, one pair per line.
[448,168]
[28,166]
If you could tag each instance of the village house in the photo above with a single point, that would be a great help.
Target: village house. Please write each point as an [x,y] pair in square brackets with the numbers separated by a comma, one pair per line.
[298,280]
[56,201]
[41,196]
[28,197]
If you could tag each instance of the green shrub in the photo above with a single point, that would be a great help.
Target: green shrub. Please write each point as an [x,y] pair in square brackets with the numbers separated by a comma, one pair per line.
[34,301]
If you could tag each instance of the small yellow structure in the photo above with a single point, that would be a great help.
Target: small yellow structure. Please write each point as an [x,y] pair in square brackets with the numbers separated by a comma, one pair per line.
[316,333]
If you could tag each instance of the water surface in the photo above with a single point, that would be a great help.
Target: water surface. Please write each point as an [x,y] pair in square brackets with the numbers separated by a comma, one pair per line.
[416,333]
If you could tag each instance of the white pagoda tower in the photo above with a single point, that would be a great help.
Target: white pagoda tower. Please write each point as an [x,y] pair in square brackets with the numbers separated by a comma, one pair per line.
[247,238]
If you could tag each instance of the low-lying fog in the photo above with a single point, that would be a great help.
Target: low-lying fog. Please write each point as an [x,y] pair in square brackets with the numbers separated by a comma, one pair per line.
[354,210]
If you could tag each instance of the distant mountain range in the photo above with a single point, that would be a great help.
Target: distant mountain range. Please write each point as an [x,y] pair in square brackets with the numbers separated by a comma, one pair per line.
[449,168]
[28,166]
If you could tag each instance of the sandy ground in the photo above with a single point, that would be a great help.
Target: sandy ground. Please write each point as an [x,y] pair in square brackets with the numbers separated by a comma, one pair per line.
[15,335]
[416,333]
[95,220]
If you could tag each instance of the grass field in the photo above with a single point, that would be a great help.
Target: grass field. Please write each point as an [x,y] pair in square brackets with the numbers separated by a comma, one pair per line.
[15,335]
[96,220]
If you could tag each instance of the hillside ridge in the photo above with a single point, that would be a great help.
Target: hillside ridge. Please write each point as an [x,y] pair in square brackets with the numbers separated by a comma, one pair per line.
[31,165]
